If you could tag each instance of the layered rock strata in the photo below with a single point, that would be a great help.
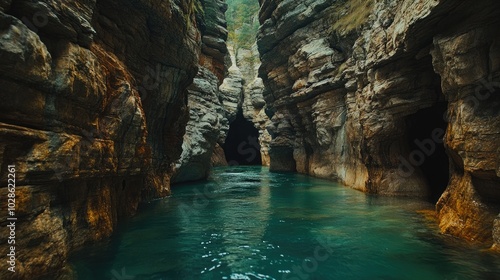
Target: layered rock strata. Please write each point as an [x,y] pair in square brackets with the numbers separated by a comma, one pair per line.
[92,116]
[214,105]
[219,117]
[253,104]
[208,116]
[389,97]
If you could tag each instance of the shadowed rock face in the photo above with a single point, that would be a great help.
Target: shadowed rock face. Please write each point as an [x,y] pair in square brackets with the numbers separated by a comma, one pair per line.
[253,105]
[208,117]
[364,92]
[92,115]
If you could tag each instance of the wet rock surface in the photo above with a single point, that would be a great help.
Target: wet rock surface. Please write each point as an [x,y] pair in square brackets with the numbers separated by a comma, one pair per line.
[365,92]
[92,115]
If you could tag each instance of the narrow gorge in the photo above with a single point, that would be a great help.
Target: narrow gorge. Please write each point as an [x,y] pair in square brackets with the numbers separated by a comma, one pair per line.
[108,107]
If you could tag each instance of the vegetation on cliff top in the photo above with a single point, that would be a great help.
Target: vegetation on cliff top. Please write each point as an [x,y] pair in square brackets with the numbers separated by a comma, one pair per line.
[242,22]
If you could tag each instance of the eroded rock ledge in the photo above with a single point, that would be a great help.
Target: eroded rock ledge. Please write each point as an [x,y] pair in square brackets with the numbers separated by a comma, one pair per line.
[92,115]
[208,116]
[364,91]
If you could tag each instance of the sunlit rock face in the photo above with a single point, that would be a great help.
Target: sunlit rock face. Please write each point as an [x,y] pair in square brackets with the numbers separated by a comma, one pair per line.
[469,64]
[92,116]
[389,97]
[226,85]
[496,233]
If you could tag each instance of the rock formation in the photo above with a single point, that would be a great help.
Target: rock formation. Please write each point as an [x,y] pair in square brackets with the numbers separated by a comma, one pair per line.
[253,105]
[92,116]
[208,118]
[231,90]
[213,108]
[220,100]
[389,97]
[365,91]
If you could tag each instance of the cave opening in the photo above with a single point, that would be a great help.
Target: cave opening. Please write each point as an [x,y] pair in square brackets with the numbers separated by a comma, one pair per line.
[242,143]
[426,129]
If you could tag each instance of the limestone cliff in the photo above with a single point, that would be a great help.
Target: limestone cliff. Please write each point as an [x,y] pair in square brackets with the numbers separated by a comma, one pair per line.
[208,118]
[215,103]
[253,104]
[92,116]
[365,91]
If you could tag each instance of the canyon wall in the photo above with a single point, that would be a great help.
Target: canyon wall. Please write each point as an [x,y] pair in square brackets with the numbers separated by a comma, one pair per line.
[208,116]
[93,112]
[216,100]
[390,97]
[254,106]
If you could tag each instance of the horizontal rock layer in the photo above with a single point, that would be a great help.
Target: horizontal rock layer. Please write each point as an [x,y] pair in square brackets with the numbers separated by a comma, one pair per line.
[92,116]
[208,118]
[253,104]
[389,97]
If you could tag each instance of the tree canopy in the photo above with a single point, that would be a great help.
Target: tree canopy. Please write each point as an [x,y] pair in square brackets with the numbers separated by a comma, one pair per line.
[242,21]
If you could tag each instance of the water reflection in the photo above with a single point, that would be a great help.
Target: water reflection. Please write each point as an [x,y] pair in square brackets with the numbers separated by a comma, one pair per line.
[247,223]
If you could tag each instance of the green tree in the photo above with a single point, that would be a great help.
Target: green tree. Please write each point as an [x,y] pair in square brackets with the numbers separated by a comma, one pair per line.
[242,21]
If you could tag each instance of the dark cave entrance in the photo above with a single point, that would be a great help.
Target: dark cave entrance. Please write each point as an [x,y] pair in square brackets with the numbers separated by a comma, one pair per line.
[242,143]
[426,129]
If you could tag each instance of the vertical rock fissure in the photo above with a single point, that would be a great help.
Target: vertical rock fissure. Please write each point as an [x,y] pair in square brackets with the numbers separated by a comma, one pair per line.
[243,80]
[226,105]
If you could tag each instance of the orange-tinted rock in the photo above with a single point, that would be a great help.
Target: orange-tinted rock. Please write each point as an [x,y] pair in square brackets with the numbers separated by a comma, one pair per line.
[92,115]
[363,92]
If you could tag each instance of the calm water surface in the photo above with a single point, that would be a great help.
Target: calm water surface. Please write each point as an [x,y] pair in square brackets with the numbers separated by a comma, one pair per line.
[247,223]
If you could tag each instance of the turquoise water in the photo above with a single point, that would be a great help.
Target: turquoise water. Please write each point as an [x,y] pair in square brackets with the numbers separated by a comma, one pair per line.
[248,223]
